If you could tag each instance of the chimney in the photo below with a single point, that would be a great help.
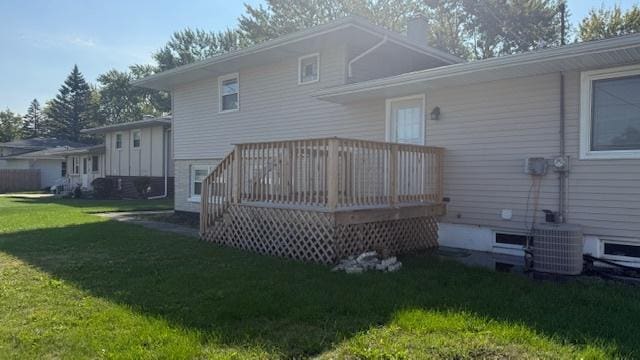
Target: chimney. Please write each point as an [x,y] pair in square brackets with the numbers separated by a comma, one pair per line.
[417,29]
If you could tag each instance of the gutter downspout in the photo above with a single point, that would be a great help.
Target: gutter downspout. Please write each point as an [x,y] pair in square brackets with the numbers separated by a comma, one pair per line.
[365,53]
[166,167]
[562,175]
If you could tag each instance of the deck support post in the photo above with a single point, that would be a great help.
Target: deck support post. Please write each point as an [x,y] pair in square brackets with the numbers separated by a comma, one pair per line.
[393,175]
[332,174]
[237,175]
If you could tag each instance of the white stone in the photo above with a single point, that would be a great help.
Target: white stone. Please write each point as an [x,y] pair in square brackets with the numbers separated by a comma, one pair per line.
[366,256]
[394,267]
[354,270]
[389,261]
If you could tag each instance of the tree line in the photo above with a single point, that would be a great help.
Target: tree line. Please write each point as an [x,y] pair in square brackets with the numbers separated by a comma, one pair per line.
[471,29]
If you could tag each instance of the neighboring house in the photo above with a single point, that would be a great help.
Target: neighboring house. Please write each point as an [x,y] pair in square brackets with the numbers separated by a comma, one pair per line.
[44,154]
[575,103]
[130,150]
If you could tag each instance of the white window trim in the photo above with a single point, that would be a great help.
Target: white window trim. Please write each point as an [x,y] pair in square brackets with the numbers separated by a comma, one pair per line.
[304,57]
[133,137]
[192,174]
[115,141]
[586,81]
[220,80]
[390,101]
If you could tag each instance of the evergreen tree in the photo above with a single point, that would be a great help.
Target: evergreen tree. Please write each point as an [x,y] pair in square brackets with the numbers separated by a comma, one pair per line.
[33,121]
[10,126]
[67,112]
[605,23]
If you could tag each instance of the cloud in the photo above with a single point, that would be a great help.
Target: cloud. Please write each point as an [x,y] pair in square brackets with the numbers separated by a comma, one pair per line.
[80,41]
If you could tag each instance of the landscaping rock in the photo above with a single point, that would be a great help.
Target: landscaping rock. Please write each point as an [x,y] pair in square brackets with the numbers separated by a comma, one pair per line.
[369,260]
[354,270]
[394,267]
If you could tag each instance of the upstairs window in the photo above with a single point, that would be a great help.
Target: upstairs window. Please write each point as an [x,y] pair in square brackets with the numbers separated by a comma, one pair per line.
[136,139]
[229,88]
[610,114]
[118,141]
[308,69]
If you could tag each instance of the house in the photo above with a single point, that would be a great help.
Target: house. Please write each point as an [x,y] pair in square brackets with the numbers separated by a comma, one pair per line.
[43,154]
[131,150]
[570,110]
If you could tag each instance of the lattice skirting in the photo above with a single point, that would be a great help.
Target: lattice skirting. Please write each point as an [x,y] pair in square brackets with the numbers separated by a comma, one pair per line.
[314,236]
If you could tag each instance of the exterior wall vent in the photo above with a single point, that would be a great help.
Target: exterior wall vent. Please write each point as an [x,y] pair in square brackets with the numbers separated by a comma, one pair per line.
[557,248]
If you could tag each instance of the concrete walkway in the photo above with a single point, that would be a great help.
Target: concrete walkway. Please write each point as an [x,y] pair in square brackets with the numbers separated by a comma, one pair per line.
[133,218]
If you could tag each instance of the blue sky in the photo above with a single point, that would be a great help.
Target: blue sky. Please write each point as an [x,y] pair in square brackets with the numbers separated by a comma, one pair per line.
[42,39]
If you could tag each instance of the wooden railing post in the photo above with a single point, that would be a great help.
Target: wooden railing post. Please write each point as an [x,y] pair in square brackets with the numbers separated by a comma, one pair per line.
[332,174]
[393,175]
[440,175]
[237,174]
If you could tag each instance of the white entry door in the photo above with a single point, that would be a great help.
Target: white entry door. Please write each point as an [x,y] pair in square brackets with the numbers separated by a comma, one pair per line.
[405,120]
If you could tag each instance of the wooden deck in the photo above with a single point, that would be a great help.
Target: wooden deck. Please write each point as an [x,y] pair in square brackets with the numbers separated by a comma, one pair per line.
[322,199]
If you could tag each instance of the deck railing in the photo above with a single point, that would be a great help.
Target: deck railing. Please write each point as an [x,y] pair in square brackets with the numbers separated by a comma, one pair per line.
[330,173]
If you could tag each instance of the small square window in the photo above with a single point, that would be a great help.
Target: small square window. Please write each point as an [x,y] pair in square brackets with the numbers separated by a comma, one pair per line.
[308,69]
[118,141]
[136,139]
[229,88]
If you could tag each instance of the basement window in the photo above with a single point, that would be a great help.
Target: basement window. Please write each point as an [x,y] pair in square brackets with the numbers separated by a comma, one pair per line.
[610,114]
[511,239]
[622,250]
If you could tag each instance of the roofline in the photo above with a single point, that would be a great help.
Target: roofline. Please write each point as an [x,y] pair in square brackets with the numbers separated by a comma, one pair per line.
[164,121]
[532,57]
[84,150]
[338,24]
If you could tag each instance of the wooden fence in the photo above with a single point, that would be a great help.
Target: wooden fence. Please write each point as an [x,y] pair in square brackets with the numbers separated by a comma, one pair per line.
[12,180]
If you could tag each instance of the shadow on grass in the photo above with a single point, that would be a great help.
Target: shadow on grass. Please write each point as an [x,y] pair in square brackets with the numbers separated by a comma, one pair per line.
[302,309]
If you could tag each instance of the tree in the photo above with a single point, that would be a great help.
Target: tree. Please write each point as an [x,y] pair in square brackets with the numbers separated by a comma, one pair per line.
[10,126]
[119,100]
[605,23]
[467,28]
[188,46]
[282,17]
[67,112]
[500,27]
[33,121]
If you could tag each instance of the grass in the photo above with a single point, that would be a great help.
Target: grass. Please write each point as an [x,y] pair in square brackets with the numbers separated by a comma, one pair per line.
[73,285]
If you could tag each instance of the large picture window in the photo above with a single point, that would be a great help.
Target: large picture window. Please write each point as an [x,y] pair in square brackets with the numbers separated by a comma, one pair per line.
[610,114]
[229,88]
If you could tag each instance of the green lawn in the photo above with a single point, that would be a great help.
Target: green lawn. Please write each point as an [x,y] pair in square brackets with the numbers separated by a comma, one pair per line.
[74,285]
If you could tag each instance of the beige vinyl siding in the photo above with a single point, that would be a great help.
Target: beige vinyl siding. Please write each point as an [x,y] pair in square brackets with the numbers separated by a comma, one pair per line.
[147,160]
[490,128]
[604,195]
[272,107]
